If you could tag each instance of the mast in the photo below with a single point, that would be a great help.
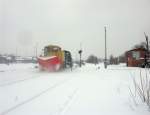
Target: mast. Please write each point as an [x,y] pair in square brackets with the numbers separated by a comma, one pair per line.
[105,63]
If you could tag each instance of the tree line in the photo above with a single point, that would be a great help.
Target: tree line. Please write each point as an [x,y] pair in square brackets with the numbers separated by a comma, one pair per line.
[113,59]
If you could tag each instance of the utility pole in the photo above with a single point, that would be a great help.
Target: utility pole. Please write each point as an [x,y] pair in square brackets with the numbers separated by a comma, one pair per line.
[36,51]
[16,52]
[36,46]
[16,55]
[105,62]
[80,53]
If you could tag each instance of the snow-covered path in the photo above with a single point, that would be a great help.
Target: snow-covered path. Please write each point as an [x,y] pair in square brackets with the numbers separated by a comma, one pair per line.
[90,91]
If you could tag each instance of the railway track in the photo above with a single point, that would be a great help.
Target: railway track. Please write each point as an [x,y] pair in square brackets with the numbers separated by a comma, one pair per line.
[5,112]
[17,81]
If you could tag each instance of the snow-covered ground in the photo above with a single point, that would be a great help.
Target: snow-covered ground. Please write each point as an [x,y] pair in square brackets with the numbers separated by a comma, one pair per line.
[90,90]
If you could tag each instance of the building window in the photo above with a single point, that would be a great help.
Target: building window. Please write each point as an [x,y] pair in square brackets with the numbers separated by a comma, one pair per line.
[136,55]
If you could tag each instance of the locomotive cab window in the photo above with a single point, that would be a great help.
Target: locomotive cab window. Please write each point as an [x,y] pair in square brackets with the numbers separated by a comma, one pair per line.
[55,49]
[45,51]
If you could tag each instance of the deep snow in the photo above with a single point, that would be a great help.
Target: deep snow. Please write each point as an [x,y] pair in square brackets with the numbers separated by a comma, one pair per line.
[24,90]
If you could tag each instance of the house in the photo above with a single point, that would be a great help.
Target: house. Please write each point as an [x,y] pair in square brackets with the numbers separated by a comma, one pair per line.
[136,57]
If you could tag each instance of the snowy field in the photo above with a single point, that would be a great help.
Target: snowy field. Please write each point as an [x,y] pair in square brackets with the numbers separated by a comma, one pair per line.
[24,90]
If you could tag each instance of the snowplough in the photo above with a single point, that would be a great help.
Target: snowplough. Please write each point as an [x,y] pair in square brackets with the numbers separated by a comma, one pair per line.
[54,58]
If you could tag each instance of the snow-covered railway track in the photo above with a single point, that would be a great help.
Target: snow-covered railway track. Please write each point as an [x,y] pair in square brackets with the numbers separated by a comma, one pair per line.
[67,103]
[17,81]
[5,112]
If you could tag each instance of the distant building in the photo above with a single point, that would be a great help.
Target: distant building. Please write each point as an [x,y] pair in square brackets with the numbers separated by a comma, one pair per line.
[26,60]
[7,59]
[3,59]
[136,57]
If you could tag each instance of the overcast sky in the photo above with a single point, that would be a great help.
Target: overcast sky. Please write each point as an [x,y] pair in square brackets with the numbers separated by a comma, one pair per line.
[27,23]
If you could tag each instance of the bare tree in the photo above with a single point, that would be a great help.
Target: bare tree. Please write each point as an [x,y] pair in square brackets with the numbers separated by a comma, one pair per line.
[92,59]
[113,60]
[140,45]
[142,88]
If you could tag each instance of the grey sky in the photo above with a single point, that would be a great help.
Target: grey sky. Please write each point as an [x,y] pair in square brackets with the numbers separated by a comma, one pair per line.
[25,23]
